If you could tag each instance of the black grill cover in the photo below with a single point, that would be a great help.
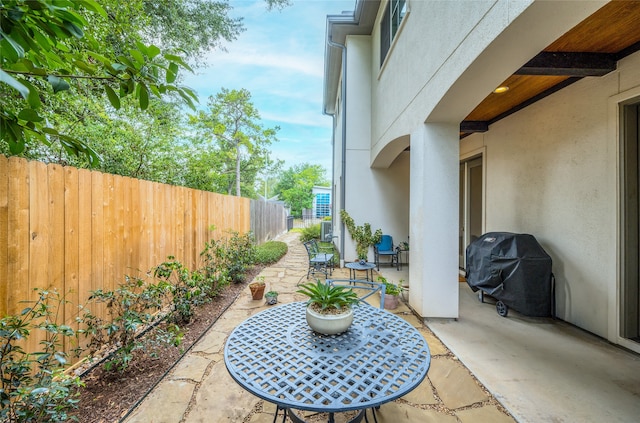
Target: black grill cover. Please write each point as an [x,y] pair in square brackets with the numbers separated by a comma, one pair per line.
[512,268]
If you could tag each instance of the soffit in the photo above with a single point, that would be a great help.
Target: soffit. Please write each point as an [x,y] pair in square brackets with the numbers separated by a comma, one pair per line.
[606,36]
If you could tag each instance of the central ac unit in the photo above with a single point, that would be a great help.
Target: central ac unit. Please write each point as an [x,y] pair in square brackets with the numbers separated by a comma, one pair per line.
[325,231]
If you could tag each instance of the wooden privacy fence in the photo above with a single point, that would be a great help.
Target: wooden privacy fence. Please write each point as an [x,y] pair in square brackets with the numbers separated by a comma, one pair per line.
[78,230]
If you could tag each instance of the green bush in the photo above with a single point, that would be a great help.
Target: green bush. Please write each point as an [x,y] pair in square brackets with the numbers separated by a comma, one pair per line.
[33,386]
[130,308]
[185,287]
[226,260]
[311,232]
[239,255]
[270,252]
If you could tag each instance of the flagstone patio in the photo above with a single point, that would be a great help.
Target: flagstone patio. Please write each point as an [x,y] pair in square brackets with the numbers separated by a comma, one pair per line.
[200,389]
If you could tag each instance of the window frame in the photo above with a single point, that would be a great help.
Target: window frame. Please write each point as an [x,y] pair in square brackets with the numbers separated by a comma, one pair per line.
[392,19]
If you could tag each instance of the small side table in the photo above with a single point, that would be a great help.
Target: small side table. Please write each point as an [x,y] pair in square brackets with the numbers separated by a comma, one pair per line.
[355,266]
[402,251]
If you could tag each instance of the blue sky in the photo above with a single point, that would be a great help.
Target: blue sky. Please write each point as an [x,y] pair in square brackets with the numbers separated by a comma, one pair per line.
[280,60]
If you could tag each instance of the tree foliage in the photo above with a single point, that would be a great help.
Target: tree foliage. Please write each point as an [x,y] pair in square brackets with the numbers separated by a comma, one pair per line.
[60,60]
[295,186]
[44,50]
[231,127]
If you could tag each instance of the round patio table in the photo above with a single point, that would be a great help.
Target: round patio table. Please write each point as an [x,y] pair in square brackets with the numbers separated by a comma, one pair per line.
[367,267]
[277,357]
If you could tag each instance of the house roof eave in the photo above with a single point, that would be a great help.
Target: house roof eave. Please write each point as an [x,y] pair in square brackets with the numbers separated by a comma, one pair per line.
[358,22]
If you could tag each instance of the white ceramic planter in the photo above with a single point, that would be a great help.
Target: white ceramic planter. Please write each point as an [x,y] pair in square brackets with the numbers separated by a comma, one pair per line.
[329,324]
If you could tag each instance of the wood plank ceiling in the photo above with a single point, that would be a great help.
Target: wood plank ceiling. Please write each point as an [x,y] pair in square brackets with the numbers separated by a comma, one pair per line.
[590,49]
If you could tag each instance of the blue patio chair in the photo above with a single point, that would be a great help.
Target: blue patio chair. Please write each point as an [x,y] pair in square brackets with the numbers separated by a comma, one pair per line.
[385,249]
[319,262]
[368,287]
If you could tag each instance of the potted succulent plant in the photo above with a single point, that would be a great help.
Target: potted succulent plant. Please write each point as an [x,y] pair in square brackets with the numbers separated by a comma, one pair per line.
[329,308]
[271,297]
[391,293]
[362,235]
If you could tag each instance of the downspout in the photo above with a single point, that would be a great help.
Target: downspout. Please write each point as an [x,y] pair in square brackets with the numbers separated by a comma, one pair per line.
[343,164]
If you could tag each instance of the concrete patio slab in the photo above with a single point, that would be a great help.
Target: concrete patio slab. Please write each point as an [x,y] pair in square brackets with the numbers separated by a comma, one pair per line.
[489,414]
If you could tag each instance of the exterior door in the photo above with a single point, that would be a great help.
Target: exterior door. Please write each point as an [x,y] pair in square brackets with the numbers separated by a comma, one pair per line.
[471,194]
[630,287]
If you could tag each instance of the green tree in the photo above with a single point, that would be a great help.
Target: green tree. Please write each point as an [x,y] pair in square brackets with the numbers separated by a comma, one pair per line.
[93,50]
[295,186]
[44,50]
[232,123]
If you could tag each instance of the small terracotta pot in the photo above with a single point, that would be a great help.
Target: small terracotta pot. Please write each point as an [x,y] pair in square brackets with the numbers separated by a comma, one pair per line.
[257,290]
[390,302]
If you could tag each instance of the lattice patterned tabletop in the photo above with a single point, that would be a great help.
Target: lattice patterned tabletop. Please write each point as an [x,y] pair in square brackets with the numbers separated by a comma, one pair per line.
[277,357]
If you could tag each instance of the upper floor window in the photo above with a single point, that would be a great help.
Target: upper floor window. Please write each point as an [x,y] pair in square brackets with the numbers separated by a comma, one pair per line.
[389,25]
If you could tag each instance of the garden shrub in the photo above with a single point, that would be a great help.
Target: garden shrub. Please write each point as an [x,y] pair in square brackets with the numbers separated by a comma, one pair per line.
[132,307]
[240,255]
[33,386]
[214,270]
[270,252]
[185,288]
[310,232]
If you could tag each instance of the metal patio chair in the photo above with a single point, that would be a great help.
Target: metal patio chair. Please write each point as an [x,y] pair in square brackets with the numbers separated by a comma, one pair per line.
[369,287]
[319,262]
[385,249]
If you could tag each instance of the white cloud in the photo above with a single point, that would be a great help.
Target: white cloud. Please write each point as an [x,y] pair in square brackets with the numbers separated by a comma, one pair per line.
[280,60]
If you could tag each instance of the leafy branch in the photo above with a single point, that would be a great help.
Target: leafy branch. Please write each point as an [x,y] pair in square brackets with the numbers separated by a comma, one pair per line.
[43,41]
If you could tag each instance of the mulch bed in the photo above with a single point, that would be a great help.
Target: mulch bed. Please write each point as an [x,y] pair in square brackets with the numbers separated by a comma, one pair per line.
[109,396]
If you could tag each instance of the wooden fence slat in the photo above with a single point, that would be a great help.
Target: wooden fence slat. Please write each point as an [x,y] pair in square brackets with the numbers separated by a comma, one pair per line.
[189,240]
[39,225]
[145,204]
[97,238]
[133,215]
[4,235]
[71,249]
[120,268]
[40,273]
[56,227]
[18,234]
[110,227]
[85,238]
[179,226]
[127,246]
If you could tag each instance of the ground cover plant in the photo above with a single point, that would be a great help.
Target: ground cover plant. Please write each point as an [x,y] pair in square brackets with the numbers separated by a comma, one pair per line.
[270,252]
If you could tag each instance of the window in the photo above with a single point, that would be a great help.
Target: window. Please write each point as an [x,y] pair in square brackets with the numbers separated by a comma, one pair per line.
[390,24]
[323,205]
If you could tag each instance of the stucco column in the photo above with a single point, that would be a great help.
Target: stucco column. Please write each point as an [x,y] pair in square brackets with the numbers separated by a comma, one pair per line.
[433,214]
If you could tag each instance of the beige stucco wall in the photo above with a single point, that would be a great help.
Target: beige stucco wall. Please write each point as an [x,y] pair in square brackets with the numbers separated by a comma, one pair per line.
[433,47]
[376,196]
[437,71]
[551,170]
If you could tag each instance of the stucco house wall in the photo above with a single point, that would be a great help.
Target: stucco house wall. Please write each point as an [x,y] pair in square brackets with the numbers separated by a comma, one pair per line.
[550,169]
[374,195]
